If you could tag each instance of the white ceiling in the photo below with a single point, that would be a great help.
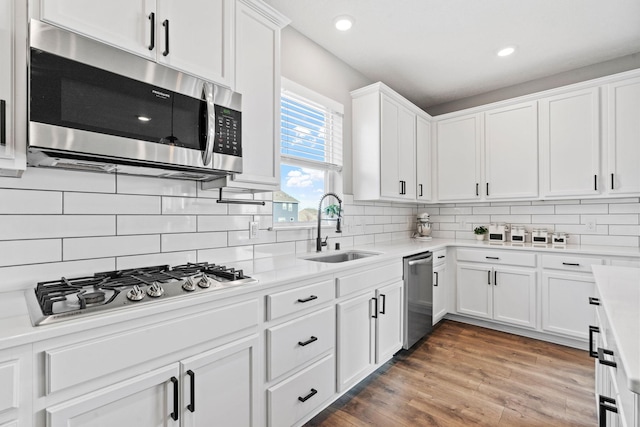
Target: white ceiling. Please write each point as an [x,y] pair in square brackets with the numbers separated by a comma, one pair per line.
[437,51]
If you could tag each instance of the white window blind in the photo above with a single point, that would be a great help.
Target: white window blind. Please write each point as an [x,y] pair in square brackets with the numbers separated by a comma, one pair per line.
[311,132]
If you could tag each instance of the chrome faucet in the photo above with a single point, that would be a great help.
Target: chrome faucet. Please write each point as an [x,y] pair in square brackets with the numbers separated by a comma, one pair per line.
[319,242]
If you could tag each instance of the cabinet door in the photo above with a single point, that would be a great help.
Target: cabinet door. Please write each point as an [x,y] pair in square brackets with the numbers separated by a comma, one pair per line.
[423,159]
[198,39]
[407,153]
[439,292]
[389,321]
[623,135]
[12,52]
[143,401]
[474,290]
[221,385]
[122,23]
[570,144]
[563,310]
[458,145]
[257,57]
[355,338]
[514,296]
[511,152]
[390,185]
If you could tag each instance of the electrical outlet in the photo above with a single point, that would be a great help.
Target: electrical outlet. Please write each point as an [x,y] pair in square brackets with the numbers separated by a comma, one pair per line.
[590,225]
[253,229]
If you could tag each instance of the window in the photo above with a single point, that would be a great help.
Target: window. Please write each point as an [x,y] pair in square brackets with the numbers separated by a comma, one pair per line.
[310,152]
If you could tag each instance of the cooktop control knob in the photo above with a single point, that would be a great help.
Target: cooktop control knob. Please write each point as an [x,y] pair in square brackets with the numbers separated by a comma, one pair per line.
[135,293]
[204,281]
[155,290]
[189,285]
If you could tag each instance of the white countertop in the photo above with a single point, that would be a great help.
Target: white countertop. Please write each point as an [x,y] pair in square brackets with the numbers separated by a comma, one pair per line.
[16,328]
[619,290]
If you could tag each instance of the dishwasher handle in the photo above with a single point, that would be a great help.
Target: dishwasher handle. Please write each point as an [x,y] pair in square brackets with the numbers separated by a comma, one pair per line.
[419,261]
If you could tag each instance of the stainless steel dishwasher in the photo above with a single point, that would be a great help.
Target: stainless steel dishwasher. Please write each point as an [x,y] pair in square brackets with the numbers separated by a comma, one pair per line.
[418,300]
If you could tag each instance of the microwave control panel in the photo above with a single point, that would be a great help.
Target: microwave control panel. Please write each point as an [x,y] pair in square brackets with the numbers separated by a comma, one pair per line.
[228,131]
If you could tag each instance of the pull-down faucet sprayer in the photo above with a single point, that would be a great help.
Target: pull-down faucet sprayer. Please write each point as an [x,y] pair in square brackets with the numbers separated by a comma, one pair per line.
[319,242]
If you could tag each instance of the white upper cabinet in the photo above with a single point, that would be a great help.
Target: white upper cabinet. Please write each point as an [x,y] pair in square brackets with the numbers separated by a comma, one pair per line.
[423,159]
[511,152]
[257,78]
[12,42]
[623,138]
[194,36]
[384,146]
[570,144]
[459,142]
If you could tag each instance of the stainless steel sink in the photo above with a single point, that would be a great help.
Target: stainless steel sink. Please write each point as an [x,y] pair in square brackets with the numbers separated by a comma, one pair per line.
[341,256]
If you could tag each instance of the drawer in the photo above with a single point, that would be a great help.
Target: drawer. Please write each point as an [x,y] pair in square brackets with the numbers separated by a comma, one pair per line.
[294,300]
[9,378]
[439,257]
[296,397]
[75,364]
[626,262]
[293,343]
[570,262]
[369,279]
[525,259]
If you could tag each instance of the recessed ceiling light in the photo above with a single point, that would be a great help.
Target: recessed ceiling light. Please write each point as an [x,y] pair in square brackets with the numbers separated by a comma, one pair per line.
[506,51]
[343,23]
[144,118]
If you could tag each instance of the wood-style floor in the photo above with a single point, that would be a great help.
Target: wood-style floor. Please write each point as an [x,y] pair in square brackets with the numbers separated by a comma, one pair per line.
[463,375]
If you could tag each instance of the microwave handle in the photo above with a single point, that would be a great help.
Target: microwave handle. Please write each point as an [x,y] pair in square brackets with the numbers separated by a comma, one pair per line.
[207,89]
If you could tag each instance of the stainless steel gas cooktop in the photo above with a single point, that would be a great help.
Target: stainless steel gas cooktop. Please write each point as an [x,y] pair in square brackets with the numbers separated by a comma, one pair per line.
[63,299]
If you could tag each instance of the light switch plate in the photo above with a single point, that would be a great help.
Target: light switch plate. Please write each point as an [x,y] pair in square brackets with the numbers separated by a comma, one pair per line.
[253,229]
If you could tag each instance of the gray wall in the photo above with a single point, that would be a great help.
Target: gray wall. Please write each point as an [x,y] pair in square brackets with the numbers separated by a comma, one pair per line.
[595,71]
[308,64]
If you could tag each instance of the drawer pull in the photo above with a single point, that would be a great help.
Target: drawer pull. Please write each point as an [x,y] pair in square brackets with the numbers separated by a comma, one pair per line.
[192,389]
[592,330]
[492,257]
[489,277]
[606,404]
[601,357]
[375,308]
[307,342]
[440,256]
[152,18]
[176,405]
[572,264]
[383,300]
[436,277]
[310,298]
[312,393]
[594,301]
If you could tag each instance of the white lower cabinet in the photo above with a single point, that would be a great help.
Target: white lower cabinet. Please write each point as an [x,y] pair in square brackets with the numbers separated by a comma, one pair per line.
[440,288]
[148,400]
[15,387]
[567,283]
[369,332]
[506,294]
[293,399]
[220,386]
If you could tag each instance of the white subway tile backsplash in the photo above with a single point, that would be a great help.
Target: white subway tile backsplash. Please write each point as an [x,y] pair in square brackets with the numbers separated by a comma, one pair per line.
[274,249]
[374,210]
[27,276]
[155,224]
[530,210]
[226,254]
[624,208]
[556,219]
[165,258]
[16,252]
[611,219]
[365,239]
[241,238]
[95,203]
[16,227]
[191,241]
[62,180]
[305,234]
[491,210]
[582,209]
[224,222]
[511,219]
[624,230]
[463,210]
[192,206]
[102,247]
[610,240]
[251,209]
[30,202]
[129,184]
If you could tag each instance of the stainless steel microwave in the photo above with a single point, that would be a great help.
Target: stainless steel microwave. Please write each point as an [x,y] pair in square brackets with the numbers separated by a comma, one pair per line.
[95,107]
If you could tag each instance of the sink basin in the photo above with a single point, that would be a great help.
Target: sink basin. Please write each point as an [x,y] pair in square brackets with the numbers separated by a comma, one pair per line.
[341,256]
